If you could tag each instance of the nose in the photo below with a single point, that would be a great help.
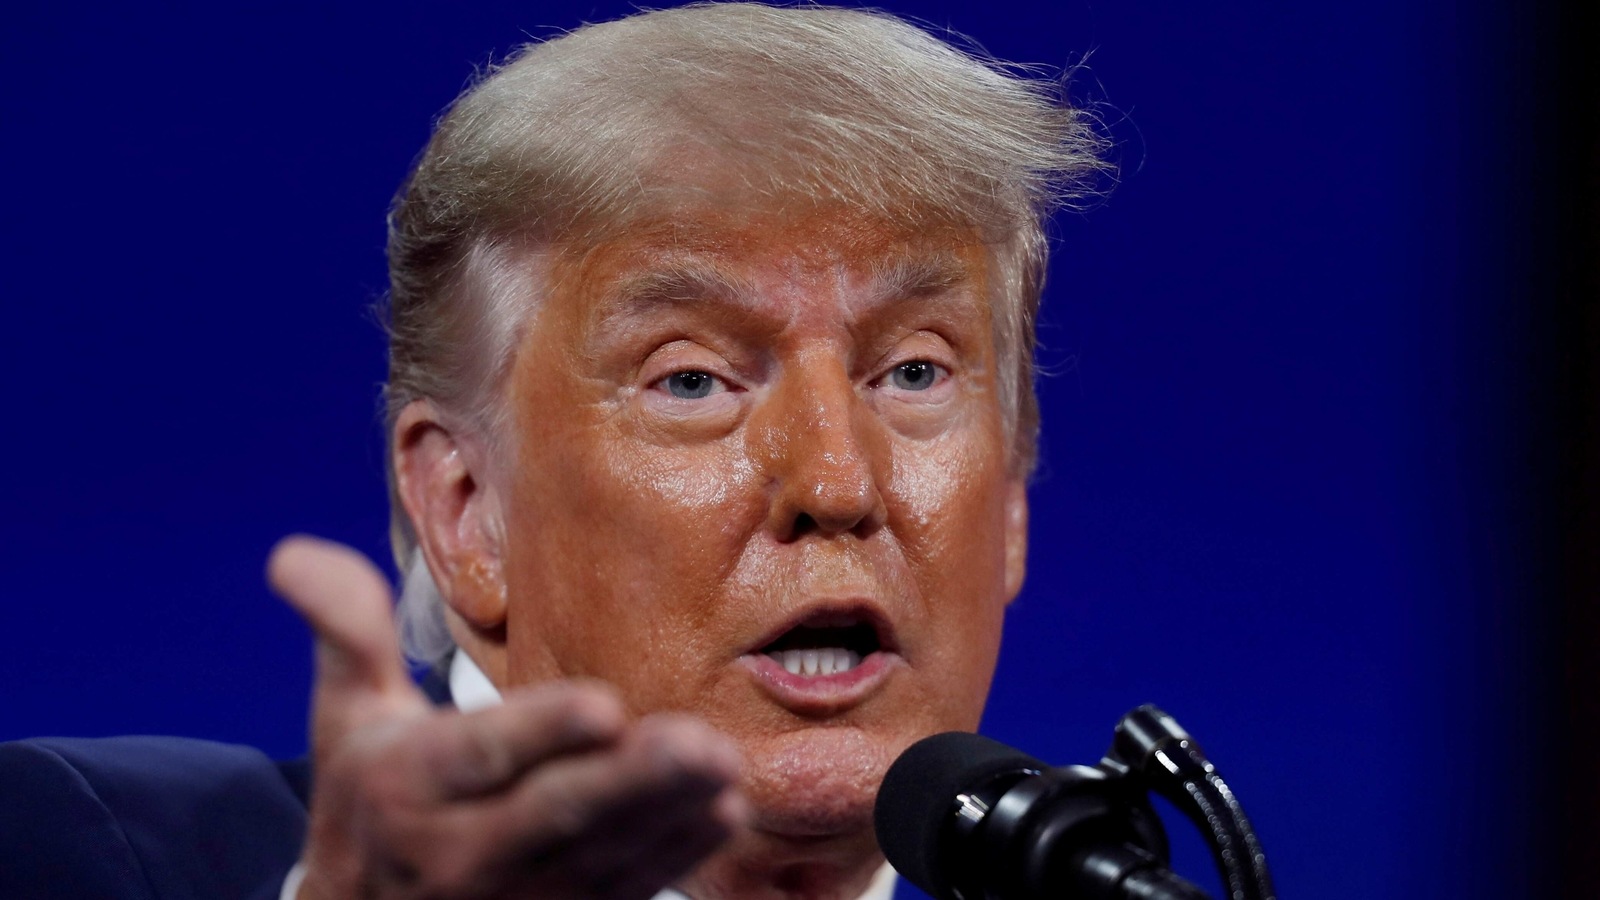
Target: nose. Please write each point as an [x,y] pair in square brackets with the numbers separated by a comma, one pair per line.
[824,454]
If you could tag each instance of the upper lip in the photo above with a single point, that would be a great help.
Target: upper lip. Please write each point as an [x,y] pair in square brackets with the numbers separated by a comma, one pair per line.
[836,614]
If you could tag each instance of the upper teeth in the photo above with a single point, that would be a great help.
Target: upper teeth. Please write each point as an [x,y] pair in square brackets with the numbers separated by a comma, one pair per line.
[823,661]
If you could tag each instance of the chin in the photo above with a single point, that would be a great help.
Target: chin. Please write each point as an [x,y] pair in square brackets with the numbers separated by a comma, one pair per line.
[817,782]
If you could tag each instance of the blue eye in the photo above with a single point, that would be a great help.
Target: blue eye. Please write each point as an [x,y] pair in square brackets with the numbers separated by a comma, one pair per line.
[917,375]
[690,385]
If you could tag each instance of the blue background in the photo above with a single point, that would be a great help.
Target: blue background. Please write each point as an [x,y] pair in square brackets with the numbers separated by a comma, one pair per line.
[1286,490]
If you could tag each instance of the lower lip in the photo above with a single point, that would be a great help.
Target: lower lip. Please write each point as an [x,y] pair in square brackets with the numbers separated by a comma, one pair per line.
[822,694]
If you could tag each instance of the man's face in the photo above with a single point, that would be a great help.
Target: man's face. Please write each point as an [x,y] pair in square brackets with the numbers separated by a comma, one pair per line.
[750,443]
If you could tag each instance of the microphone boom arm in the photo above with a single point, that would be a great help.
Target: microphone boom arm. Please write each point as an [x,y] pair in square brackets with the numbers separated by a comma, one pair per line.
[1150,746]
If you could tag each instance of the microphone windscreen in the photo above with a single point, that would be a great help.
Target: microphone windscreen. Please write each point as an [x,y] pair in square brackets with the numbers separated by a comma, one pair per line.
[918,798]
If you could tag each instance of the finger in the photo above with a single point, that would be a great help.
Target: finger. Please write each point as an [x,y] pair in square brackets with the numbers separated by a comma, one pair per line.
[684,805]
[480,752]
[648,848]
[571,824]
[346,601]
[679,847]
[635,863]
[580,803]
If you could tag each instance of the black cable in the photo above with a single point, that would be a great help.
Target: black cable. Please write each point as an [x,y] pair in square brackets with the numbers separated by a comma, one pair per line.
[1151,745]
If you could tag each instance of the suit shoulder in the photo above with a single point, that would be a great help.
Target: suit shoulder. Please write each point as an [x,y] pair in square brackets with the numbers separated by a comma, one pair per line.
[57,836]
[144,817]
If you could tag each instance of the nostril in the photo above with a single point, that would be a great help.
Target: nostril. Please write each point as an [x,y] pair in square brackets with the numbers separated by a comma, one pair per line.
[803,525]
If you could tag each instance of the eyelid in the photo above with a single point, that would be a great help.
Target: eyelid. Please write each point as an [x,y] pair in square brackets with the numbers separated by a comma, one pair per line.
[722,382]
[942,373]
[927,344]
[683,355]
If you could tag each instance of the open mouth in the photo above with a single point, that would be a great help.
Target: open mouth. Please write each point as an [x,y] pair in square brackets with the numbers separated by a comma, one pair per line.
[828,660]
[823,646]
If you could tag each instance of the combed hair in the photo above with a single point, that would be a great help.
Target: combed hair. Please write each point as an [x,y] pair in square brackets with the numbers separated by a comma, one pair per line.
[573,139]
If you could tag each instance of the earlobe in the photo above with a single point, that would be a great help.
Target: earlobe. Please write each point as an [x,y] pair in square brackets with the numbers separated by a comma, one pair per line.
[1016,537]
[451,505]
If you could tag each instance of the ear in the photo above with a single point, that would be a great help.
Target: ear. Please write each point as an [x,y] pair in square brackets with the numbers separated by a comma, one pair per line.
[1016,537]
[440,477]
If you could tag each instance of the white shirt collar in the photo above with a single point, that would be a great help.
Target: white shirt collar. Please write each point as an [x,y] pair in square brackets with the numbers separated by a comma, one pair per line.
[470,689]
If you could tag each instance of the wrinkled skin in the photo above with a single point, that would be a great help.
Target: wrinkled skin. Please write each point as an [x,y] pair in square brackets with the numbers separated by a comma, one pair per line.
[720,423]
[652,540]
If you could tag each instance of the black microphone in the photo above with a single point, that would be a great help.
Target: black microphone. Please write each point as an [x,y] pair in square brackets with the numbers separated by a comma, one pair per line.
[967,818]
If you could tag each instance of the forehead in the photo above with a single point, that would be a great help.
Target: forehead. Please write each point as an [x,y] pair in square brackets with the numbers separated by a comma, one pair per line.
[764,256]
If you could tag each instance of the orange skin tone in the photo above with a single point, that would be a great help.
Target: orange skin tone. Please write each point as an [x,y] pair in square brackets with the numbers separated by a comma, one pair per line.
[650,540]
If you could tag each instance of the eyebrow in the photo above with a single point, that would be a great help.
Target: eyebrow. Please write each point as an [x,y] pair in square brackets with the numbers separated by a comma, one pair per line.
[915,276]
[681,282]
[675,283]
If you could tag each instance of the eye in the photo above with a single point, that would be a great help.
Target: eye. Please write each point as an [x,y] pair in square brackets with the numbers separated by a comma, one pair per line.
[691,384]
[917,375]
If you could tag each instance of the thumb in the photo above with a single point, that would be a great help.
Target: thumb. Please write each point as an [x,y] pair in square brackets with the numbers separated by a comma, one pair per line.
[361,676]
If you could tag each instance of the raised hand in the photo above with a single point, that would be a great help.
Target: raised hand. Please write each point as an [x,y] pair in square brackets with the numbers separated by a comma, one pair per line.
[553,794]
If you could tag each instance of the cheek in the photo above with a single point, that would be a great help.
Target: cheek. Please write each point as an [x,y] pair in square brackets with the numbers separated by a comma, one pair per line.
[616,552]
[947,500]
[953,506]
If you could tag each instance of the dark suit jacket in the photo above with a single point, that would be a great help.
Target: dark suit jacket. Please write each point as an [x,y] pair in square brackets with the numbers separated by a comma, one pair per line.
[152,818]
[141,818]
